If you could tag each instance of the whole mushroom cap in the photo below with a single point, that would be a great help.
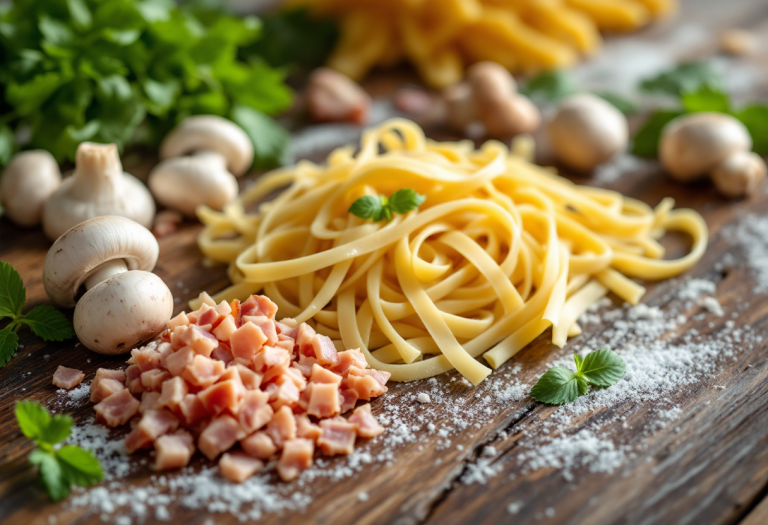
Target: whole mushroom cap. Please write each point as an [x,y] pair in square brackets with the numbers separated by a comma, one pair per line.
[184,183]
[87,246]
[122,312]
[512,116]
[692,145]
[491,83]
[27,183]
[210,133]
[739,175]
[98,187]
[586,131]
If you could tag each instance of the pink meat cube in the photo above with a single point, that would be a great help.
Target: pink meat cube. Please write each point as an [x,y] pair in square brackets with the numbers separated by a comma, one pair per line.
[118,408]
[200,341]
[323,400]
[67,378]
[282,427]
[324,350]
[266,325]
[251,380]
[146,357]
[104,388]
[255,411]
[303,334]
[203,371]
[367,383]
[179,360]
[246,341]
[365,423]
[271,362]
[258,305]
[153,424]
[338,437]
[173,392]
[192,409]
[305,364]
[349,358]
[323,375]
[349,399]
[153,379]
[295,375]
[222,353]
[173,451]
[219,436]
[226,328]
[259,445]
[237,467]
[105,373]
[225,395]
[149,401]
[306,429]
[179,320]
[283,393]
[296,456]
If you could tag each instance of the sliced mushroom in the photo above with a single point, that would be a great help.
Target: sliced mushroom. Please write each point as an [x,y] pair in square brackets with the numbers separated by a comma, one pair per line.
[210,133]
[27,183]
[110,257]
[185,183]
[98,187]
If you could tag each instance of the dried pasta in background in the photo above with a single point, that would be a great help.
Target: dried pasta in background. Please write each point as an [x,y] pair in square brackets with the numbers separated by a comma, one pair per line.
[441,37]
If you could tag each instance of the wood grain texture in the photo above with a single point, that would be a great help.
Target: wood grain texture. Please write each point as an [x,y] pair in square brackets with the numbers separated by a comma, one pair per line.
[710,467]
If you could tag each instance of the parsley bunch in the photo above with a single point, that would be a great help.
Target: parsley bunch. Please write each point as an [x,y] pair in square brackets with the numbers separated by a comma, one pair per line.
[45,321]
[60,466]
[560,385]
[381,207]
[696,87]
[127,71]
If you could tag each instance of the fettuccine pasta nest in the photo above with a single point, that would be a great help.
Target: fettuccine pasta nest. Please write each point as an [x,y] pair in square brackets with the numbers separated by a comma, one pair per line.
[441,37]
[500,251]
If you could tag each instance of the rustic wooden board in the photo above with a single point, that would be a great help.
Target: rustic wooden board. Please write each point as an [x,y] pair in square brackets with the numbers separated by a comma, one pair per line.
[710,467]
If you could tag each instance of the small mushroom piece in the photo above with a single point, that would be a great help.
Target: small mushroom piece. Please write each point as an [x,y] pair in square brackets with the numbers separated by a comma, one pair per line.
[459,108]
[334,97]
[692,145]
[27,183]
[110,257]
[512,117]
[739,175]
[491,84]
[184,183]
[97,187]
[586,131]
[214,134]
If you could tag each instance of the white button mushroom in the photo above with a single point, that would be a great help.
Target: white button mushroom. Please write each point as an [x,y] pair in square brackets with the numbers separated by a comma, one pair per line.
[111,257]
[210,133]
[692,145]
[27,183]
[98,187]
[586,131]
[185,183]
[739,175]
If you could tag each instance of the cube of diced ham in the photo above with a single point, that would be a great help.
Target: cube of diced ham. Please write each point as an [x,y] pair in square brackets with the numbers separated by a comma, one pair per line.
[338,437]
[211,318]
[118,408]
[284,328]
[271,362]
[259,445]
[366,425]
[222,353]
[104,388]
[146,357]
[153,424]
[266,325]
[296,456]
[219,436]
[251,380]
[367,383]
[323,400]
[203,371]
[224,308]
[176,336]
[178,361]
[153,379]
[225,395]
[133,379]
[192,409]
[149,401]
[255,411]
[295,375]
[237,467]
[303,334]
[179,320]
[306,429]
[226,328]
[282,427]
[285,343]
[324,350]
[305,364]
[105,373]
[173,451]
[283,393]
[323,375]
[349,358]
[246,341]
[173,392]
[200,341]
[258,305]
[349,399]
[67,378]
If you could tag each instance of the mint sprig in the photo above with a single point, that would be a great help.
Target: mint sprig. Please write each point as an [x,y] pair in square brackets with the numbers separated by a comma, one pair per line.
[45,321]
[60,467]
[381,207]
[560,385]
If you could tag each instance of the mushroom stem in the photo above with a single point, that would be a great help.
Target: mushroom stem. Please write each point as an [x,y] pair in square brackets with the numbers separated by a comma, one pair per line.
[98,170]
[104,271]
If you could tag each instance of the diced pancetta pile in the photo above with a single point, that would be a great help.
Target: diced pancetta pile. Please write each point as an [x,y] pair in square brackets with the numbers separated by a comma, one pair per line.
[231,374]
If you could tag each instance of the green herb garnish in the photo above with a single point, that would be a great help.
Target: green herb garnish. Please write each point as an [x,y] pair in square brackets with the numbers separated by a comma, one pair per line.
[560,385]
[553,86]
[381,207]
[45,321]
[60,467]
[684,78]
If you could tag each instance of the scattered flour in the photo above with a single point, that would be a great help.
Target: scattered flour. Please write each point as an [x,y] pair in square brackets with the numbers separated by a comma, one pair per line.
[751,233]
[76,396]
